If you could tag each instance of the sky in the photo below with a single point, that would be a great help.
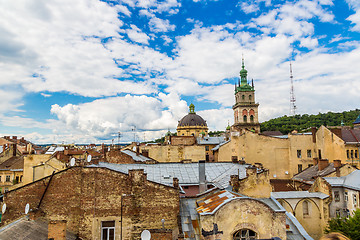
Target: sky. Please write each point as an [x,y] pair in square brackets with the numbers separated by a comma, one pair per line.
[82,71]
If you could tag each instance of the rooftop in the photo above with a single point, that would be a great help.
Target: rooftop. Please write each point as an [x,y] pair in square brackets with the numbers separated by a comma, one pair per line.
[299,194]
[188,173]
[351,181]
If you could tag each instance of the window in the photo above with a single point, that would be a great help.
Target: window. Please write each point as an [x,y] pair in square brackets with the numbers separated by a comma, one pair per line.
[305,208]
[336,196]
[356,156]
[243,97]
[309,153]
[250,97]
[355,199]
[0,179]
[347,154]
[245,118]
[298,153]
[7,178]
[251,118]
[337,212]
[346,196]
[244,234]
[108,230]
[206,148]
[352,153]
[299,167]
[310,165]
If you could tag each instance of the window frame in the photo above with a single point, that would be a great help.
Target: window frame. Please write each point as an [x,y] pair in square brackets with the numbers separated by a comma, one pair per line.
[7,178]
[239,235]
[108,229]
[309,154]
[298,153]
[336,196]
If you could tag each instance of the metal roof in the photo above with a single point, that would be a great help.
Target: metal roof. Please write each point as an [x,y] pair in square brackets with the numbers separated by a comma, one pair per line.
[187,173]
[53,149]
[210,204]
[218,146]
[351,180]
[210,140]
[138,158]
[299,194]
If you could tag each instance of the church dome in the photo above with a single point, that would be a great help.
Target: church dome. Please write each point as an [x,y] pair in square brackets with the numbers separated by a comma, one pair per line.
[192,119]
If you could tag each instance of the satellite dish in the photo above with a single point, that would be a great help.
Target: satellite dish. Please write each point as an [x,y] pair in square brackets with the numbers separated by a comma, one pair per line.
[72,162]
[3,208]
[27,208]
[145,235]
[134,149]
[89,158]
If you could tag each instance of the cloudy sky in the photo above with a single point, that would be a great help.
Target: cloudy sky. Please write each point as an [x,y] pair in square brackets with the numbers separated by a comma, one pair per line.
[81,71]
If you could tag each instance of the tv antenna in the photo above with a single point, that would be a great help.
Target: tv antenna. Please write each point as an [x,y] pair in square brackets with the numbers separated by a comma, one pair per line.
[133,129]
[119,136]
[292,94]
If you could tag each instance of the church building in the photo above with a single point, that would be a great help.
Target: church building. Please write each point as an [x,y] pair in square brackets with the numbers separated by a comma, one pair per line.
[192,124]
[245,108]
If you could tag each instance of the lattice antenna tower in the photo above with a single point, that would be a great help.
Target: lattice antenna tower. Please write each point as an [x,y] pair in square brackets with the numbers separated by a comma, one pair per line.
[292,94]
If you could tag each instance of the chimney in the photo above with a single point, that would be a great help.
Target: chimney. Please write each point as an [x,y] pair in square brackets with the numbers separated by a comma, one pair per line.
[145,153]
[337,165]
[315,161]
[14,137]
[235,183]
[202,177]
[137,150]
[323,163]
[176,182]
[14,148]
[57,230]
[313,133]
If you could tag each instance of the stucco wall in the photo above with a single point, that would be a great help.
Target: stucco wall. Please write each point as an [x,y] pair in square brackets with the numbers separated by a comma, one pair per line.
[245,214]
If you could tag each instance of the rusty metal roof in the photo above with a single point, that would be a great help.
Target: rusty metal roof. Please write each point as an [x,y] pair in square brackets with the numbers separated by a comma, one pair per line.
[211,203]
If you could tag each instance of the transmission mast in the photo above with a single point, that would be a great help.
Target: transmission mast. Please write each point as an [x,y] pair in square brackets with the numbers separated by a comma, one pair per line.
[292,94]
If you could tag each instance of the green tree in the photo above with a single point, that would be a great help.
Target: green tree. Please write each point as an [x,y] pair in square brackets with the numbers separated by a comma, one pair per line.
[350,226]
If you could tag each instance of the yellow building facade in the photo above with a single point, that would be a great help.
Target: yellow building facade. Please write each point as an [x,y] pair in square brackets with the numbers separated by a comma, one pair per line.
[192,124]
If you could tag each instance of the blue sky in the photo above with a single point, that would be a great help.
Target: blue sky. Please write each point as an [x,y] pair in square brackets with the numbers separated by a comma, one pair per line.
[81,71]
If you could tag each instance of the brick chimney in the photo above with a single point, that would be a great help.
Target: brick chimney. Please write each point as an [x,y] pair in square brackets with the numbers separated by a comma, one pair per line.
[234,182]
[176,182]
[313,133]
[315,161]
[323,163]
[14,137]
[57,229]
[337,165]
[14,148]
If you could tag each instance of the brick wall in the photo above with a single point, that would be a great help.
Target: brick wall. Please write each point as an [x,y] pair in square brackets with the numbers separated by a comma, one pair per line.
[183,140]
[116,156]
[86,196]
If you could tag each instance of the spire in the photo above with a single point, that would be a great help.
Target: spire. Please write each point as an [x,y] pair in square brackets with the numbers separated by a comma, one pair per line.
[192,108]
[243,73]
[252,83]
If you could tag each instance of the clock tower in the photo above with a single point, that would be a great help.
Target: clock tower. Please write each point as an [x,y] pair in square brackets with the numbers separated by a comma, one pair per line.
[245,108]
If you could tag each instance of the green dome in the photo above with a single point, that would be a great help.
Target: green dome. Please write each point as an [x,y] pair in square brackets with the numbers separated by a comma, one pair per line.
[228,128]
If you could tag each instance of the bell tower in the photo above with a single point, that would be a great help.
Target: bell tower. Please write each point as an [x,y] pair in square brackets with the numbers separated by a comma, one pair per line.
[245,108]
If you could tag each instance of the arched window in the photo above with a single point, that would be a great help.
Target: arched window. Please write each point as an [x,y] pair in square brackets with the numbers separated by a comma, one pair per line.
[245,118]
[244,112]
[305,208]
[251,118]
[250,97]
[244,234]
[243,97]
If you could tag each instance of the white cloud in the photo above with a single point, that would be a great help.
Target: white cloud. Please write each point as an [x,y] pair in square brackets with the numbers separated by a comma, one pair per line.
[160,25]
[136,35]
[104,117]
[355,19]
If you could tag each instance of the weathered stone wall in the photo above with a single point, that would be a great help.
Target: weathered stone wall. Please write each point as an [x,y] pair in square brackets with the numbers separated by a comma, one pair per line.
[86,196]
[183,140]
[170,153]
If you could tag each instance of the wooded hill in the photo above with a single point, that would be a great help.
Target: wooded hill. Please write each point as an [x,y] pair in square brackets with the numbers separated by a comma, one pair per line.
[302,123]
